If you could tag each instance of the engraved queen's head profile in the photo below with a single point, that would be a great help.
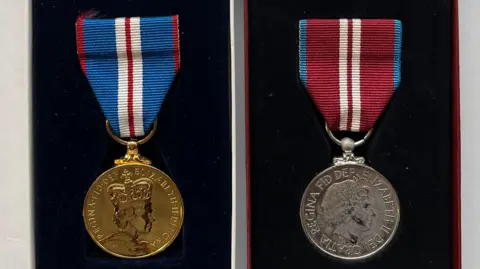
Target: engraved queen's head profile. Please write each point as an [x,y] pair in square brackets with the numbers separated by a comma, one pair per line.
[346,211]
[132,214]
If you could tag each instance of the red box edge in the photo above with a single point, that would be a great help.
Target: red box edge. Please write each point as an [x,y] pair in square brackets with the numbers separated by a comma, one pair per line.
[456,145]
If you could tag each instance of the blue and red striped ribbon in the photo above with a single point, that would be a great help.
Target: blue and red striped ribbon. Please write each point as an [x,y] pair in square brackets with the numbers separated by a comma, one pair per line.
[130,64]
[350,68]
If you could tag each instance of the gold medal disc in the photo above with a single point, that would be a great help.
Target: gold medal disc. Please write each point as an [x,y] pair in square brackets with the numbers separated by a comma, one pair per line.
[133,211]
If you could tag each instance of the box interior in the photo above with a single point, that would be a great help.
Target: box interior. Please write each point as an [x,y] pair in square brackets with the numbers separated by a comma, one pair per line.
[411,144]
[192,143]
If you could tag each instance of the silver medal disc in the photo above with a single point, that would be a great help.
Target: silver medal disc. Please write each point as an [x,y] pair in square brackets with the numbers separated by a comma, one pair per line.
[350,211]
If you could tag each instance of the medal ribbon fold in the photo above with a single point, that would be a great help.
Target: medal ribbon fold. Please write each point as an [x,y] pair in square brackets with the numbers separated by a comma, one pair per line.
[130,64]
[350,68]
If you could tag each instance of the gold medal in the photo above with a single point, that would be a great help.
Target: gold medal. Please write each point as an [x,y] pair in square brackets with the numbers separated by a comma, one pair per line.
[133,210]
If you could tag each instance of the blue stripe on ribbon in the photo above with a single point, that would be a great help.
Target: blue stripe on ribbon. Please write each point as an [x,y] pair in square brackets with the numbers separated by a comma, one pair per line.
[158,64]
[303,51]
[102,66]
[397,54]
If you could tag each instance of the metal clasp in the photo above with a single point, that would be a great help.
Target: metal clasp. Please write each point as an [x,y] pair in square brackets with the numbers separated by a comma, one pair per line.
[132,155]
[348,145]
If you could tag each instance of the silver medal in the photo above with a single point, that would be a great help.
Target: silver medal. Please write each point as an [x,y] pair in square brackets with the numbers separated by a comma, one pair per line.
[350,211]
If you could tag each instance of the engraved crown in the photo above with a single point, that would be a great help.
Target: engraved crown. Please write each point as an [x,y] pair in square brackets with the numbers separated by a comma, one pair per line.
[131,191]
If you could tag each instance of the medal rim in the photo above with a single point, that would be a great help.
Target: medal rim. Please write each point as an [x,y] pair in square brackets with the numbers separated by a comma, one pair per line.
[166,245]
[368,255]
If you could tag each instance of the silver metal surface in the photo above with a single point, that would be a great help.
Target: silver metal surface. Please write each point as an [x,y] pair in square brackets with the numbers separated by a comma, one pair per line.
[339,142]
[350,211]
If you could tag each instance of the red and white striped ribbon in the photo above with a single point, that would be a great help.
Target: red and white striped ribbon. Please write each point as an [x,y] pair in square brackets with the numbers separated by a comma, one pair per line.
[350,68]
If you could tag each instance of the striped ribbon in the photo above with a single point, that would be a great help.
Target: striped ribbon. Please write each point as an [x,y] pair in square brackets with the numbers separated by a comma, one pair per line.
[130,64]
[351,68]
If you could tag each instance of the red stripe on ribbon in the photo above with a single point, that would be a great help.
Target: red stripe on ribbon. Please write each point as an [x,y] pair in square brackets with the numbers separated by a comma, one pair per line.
[322,68]
[128,38]
[80,45]
[376,76]
[176,43]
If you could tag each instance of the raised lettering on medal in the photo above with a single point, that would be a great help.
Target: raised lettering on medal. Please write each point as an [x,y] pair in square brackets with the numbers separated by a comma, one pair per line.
[133,200]
[350,211]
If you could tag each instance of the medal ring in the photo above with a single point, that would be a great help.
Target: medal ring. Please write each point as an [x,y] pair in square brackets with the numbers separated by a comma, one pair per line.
[125,142]
[339,142]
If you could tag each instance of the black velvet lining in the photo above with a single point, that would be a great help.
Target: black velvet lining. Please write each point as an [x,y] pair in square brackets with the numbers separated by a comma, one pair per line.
[411,144]
[192,143]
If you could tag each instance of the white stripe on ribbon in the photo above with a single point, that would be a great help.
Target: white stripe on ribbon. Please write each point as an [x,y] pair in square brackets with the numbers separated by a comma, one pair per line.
[137,75]
[342,73]
[122,77]
[356,50]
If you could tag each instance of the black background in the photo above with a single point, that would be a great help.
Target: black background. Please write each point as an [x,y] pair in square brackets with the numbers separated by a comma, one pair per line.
[192,143]
[411,144]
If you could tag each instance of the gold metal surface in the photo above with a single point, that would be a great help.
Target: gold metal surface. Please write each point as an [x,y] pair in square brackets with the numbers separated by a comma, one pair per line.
[132,155]
[125,142]
[133,211]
